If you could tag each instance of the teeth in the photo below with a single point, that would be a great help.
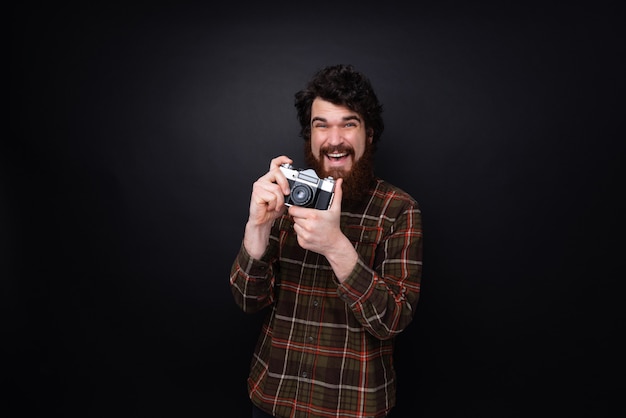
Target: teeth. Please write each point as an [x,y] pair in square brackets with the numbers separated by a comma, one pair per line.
[337,155]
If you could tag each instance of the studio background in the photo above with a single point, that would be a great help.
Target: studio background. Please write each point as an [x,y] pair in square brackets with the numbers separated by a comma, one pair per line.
[136,133]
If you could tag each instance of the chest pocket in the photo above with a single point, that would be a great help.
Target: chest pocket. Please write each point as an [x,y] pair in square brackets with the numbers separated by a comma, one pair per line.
[365,240]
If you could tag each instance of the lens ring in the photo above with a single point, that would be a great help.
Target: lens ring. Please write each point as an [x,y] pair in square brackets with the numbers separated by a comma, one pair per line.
[301,194]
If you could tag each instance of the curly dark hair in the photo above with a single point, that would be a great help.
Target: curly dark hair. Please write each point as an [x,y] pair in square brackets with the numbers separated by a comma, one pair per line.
[344,86]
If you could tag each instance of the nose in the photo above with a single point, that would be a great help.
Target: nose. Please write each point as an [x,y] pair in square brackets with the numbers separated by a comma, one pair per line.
[334,137]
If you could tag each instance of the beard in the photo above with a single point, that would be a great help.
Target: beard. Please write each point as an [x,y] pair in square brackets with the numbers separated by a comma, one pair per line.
[356,181]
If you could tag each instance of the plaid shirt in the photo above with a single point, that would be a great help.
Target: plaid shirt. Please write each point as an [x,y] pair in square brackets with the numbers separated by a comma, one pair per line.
[326,348]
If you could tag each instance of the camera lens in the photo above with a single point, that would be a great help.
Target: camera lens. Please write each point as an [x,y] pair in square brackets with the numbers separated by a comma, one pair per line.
[301,195]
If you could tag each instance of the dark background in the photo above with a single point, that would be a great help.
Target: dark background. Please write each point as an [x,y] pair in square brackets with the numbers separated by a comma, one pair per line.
[136,131]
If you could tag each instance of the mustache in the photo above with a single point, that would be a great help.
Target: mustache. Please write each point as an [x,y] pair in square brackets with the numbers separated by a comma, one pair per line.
[337,149]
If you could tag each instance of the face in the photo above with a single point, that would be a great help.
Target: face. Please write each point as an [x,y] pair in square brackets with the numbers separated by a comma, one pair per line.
[340,147]
[338,137]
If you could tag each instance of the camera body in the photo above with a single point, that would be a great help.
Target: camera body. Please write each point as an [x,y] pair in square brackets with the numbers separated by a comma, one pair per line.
[306,189]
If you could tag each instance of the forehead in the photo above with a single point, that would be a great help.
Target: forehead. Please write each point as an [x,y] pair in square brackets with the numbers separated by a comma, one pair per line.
[325,109]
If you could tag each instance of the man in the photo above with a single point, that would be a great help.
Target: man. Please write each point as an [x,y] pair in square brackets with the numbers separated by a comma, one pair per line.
[340,283]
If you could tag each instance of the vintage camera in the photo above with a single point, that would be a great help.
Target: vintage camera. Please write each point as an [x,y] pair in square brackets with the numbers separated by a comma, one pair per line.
[307,189]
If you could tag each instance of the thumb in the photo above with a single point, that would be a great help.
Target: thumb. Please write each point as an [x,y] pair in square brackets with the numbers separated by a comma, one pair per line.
[338,195]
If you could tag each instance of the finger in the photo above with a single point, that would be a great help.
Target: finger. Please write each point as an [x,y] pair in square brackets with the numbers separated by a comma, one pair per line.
[277,175]
[269,194]
[280,160]
[336,203]
[297,212]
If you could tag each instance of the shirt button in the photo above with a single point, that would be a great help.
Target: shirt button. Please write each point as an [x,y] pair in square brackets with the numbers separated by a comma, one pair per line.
[305,374]
[311,339]
[315,303]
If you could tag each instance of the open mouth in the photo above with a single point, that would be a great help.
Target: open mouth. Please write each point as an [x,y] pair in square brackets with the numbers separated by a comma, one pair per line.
[336,156]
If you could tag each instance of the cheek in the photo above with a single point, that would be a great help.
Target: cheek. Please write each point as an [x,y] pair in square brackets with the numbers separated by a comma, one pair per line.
[315,148]
[359,151]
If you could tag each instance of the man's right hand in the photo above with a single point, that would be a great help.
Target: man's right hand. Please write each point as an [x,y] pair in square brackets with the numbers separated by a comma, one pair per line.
[266,204]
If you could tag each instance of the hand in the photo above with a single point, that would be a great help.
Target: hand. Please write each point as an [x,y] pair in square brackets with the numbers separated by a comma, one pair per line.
[319,230]
[268,194]
[267,203]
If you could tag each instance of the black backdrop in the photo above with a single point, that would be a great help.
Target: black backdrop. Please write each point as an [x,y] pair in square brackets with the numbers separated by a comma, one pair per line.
[136,132]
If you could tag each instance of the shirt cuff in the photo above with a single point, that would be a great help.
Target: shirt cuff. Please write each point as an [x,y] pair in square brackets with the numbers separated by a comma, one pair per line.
[358,285]
[252,266]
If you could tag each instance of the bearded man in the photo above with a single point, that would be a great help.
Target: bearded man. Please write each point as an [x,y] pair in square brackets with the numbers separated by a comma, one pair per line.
[339,283]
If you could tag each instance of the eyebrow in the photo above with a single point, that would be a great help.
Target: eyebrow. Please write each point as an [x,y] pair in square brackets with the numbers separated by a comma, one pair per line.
[345,118]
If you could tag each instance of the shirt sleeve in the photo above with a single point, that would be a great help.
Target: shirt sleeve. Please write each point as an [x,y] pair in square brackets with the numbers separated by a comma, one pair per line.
[383,297]
[251,281]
